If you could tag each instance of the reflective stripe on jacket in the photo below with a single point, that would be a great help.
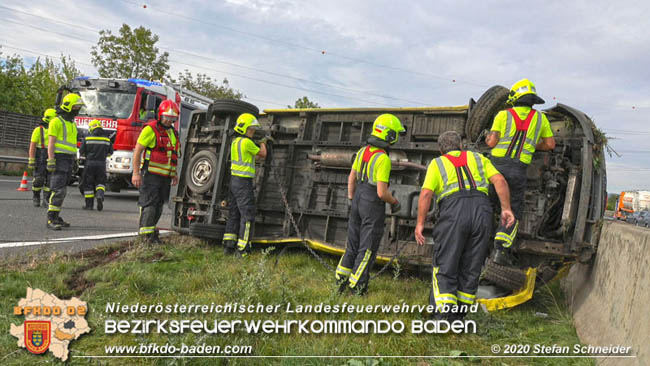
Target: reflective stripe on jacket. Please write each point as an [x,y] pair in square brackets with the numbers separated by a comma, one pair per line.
[242,164]
[96,147]
[66,141]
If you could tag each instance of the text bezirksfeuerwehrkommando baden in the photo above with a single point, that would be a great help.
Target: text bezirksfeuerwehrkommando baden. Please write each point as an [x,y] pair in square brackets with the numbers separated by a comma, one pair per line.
[289,308]
[308,326]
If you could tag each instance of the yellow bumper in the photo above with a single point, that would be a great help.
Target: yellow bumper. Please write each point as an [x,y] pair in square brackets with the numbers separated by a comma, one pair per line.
[517,298]
[499,303]
[316,245]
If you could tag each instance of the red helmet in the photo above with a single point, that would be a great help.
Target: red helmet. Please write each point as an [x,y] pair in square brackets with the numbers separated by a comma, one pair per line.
[168,108]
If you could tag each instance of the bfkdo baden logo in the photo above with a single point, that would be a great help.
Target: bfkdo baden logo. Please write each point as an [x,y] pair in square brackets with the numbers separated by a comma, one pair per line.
[50,323]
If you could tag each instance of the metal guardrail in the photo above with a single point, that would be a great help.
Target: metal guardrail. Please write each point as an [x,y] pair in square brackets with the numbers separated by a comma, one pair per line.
[13,159]
[16,128]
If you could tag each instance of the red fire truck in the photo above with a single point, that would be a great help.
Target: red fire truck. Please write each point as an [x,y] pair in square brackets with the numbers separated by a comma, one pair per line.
[124,106]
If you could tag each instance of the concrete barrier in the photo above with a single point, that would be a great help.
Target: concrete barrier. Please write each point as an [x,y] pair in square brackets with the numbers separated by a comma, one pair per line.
[13,151]
[610,298]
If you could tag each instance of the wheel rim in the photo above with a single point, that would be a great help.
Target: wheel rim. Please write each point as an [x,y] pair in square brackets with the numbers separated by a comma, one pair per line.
[201,172]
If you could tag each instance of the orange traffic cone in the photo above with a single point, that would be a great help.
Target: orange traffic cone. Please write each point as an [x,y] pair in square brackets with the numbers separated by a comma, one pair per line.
[23,183]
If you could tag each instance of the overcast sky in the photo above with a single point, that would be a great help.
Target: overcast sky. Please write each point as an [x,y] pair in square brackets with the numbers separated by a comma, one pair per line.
[591,55]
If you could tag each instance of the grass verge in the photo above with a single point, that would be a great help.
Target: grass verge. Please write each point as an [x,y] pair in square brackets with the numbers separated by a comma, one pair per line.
[186,270]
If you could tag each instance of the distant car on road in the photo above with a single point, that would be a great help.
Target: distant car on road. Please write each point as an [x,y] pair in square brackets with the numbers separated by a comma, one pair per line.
[632,218]
[643,219]
[639,218]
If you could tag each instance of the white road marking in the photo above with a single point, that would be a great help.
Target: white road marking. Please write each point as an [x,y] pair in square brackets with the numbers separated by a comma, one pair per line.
[66,240]
[11,181]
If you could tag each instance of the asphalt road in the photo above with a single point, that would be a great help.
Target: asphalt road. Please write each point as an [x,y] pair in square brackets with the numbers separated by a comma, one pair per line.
[23,226]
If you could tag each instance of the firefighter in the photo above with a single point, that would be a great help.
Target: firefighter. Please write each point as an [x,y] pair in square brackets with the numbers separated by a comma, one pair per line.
[160,143]
[38,159]
[515,135]
[241,216]
[459,179]
[95,148]
[367,195]
[62,155]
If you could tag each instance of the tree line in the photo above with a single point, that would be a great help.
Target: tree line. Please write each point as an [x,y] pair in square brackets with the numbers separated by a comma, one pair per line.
[30,87]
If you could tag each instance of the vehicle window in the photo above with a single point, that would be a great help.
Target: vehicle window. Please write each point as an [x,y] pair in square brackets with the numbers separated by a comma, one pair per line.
[143,106]
[158,101]
[185,116]
[106,104]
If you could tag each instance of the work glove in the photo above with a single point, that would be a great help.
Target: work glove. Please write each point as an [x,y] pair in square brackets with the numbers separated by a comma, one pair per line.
[395,207]
[266,139]
[51,165]
[31,165]
[349,208]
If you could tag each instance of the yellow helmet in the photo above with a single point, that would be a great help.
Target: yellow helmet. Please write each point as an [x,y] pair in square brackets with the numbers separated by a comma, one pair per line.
[70,101]
[94,124]
[48,115]
[245,121]
[387,127]
[521,88]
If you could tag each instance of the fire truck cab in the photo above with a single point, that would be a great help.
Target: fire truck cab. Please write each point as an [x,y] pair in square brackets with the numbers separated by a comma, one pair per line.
[124,106]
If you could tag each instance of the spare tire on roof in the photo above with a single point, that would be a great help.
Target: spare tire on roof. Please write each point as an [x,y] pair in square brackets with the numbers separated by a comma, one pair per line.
[233,106]
[482,113]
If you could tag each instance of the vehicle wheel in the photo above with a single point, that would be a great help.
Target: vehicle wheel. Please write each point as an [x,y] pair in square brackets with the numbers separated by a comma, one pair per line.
[201,172]
[209,231]
[233,106]
[483,112]
[502,276]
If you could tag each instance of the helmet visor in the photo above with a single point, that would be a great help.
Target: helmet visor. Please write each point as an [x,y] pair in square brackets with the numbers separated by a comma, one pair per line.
[169,118]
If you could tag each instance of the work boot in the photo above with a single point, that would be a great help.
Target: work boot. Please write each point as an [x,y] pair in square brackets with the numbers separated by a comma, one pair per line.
[228,247]
[37,199]
[100,203]
[437,315]
[503,257]
[360,291]
[460,314]
[150,239]
[52,225]
[343,285]
[89,203]
[156,237]
[59,220]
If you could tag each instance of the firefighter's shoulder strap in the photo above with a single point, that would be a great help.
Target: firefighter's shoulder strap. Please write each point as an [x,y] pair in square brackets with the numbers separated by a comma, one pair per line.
[521,131]
[460,163]
[42,133]
[368,164]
